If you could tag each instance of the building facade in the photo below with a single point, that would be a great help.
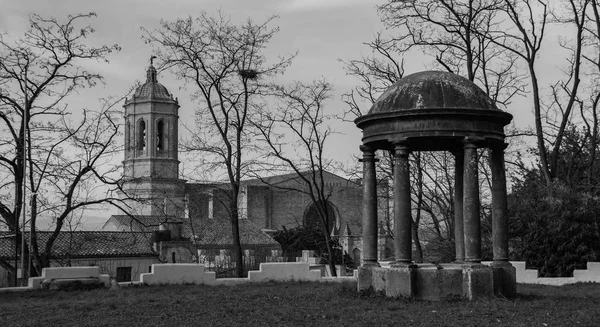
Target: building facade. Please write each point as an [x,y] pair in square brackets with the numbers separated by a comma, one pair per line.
[265,204]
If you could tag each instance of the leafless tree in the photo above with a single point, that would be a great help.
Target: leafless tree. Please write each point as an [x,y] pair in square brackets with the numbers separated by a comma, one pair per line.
[225,66]
[451,32]
[295,133]
[37,73]
[525,37]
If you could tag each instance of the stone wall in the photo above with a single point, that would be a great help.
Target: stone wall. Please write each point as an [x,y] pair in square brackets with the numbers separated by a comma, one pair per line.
[197,274]
[530,276]
[258,204]
[206,201]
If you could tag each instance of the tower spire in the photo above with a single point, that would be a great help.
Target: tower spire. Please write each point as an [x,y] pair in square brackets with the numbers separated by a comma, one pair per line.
[151,72]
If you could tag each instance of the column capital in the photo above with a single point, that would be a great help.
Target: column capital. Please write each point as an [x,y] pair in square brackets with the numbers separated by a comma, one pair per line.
[368,154]
[367,149]
[471,142]
[401,149]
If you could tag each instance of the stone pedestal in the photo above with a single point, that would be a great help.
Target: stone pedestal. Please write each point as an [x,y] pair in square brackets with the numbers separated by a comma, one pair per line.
[478,281]
[437,282]
[505,279]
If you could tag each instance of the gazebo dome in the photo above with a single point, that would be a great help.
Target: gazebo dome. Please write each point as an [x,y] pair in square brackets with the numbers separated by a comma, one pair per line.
[152,89]
[432,90]
[433,110]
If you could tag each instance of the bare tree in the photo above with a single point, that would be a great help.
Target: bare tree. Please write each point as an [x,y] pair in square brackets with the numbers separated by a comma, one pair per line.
[452,33]
[296,133]
[225,66]
[525,37]
[37,73]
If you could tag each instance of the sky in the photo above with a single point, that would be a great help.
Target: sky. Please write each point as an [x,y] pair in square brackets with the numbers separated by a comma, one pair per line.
[321,31]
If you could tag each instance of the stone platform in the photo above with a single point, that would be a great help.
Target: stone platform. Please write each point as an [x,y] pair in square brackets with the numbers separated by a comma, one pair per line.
[434,282]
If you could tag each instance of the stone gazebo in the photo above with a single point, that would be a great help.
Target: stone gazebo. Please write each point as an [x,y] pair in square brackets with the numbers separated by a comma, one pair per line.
[437,111]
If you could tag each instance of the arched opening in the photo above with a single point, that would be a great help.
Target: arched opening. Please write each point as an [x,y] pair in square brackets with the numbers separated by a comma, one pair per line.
[160,135]
[142,135]
[356,256]
[312,218]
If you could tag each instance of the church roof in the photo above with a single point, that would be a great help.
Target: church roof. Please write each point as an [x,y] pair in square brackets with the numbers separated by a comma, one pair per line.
[86,244]
[216,233]
[152,89]
[208,233]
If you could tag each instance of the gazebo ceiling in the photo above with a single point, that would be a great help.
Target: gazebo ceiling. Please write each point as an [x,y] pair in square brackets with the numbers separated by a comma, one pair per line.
[433,110]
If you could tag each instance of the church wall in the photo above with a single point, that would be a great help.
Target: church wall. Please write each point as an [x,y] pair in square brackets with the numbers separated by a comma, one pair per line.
[259,205]
[288,207]
[155,197]
[206,201]
[197,201]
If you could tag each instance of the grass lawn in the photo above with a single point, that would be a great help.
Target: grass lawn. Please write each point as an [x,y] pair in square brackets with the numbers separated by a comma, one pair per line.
[294,304]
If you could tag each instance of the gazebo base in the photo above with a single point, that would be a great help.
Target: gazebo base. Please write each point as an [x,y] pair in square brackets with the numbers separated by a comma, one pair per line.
[434,282]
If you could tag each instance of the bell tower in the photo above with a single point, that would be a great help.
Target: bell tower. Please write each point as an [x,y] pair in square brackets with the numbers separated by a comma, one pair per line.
[151,166]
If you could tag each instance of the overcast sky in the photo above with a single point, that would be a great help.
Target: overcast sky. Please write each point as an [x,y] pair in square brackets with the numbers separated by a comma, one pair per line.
[322,31]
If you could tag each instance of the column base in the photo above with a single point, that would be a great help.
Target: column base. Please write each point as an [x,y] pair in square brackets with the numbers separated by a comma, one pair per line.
[437,282]
[478,281]
[403,264]
[505,278]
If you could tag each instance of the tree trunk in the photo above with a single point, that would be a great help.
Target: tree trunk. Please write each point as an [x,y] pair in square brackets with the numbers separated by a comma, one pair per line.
[235,231]
[330,253]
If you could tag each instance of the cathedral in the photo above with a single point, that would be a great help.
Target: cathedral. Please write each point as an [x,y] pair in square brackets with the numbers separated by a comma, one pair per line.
[197,212]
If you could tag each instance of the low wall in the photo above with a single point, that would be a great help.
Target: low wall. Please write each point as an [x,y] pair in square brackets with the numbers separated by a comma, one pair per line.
[190,273]
[530,276]
[68,273]
[178,273]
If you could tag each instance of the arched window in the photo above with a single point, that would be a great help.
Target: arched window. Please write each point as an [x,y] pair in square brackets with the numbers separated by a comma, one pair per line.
[312,218]
[356,257]
[142,135]
[160,135]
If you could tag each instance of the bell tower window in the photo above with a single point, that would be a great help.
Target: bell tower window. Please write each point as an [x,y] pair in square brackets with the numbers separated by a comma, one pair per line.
[142,135]
[160,135]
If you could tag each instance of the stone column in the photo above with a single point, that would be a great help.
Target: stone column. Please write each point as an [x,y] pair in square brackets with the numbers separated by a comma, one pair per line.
[369,219]
[402,206]
[459,231]
[499,205]
[471,205]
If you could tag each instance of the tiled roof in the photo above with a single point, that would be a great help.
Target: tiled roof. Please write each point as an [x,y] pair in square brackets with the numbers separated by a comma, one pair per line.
[152,89]
[78,244]
[211,233]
